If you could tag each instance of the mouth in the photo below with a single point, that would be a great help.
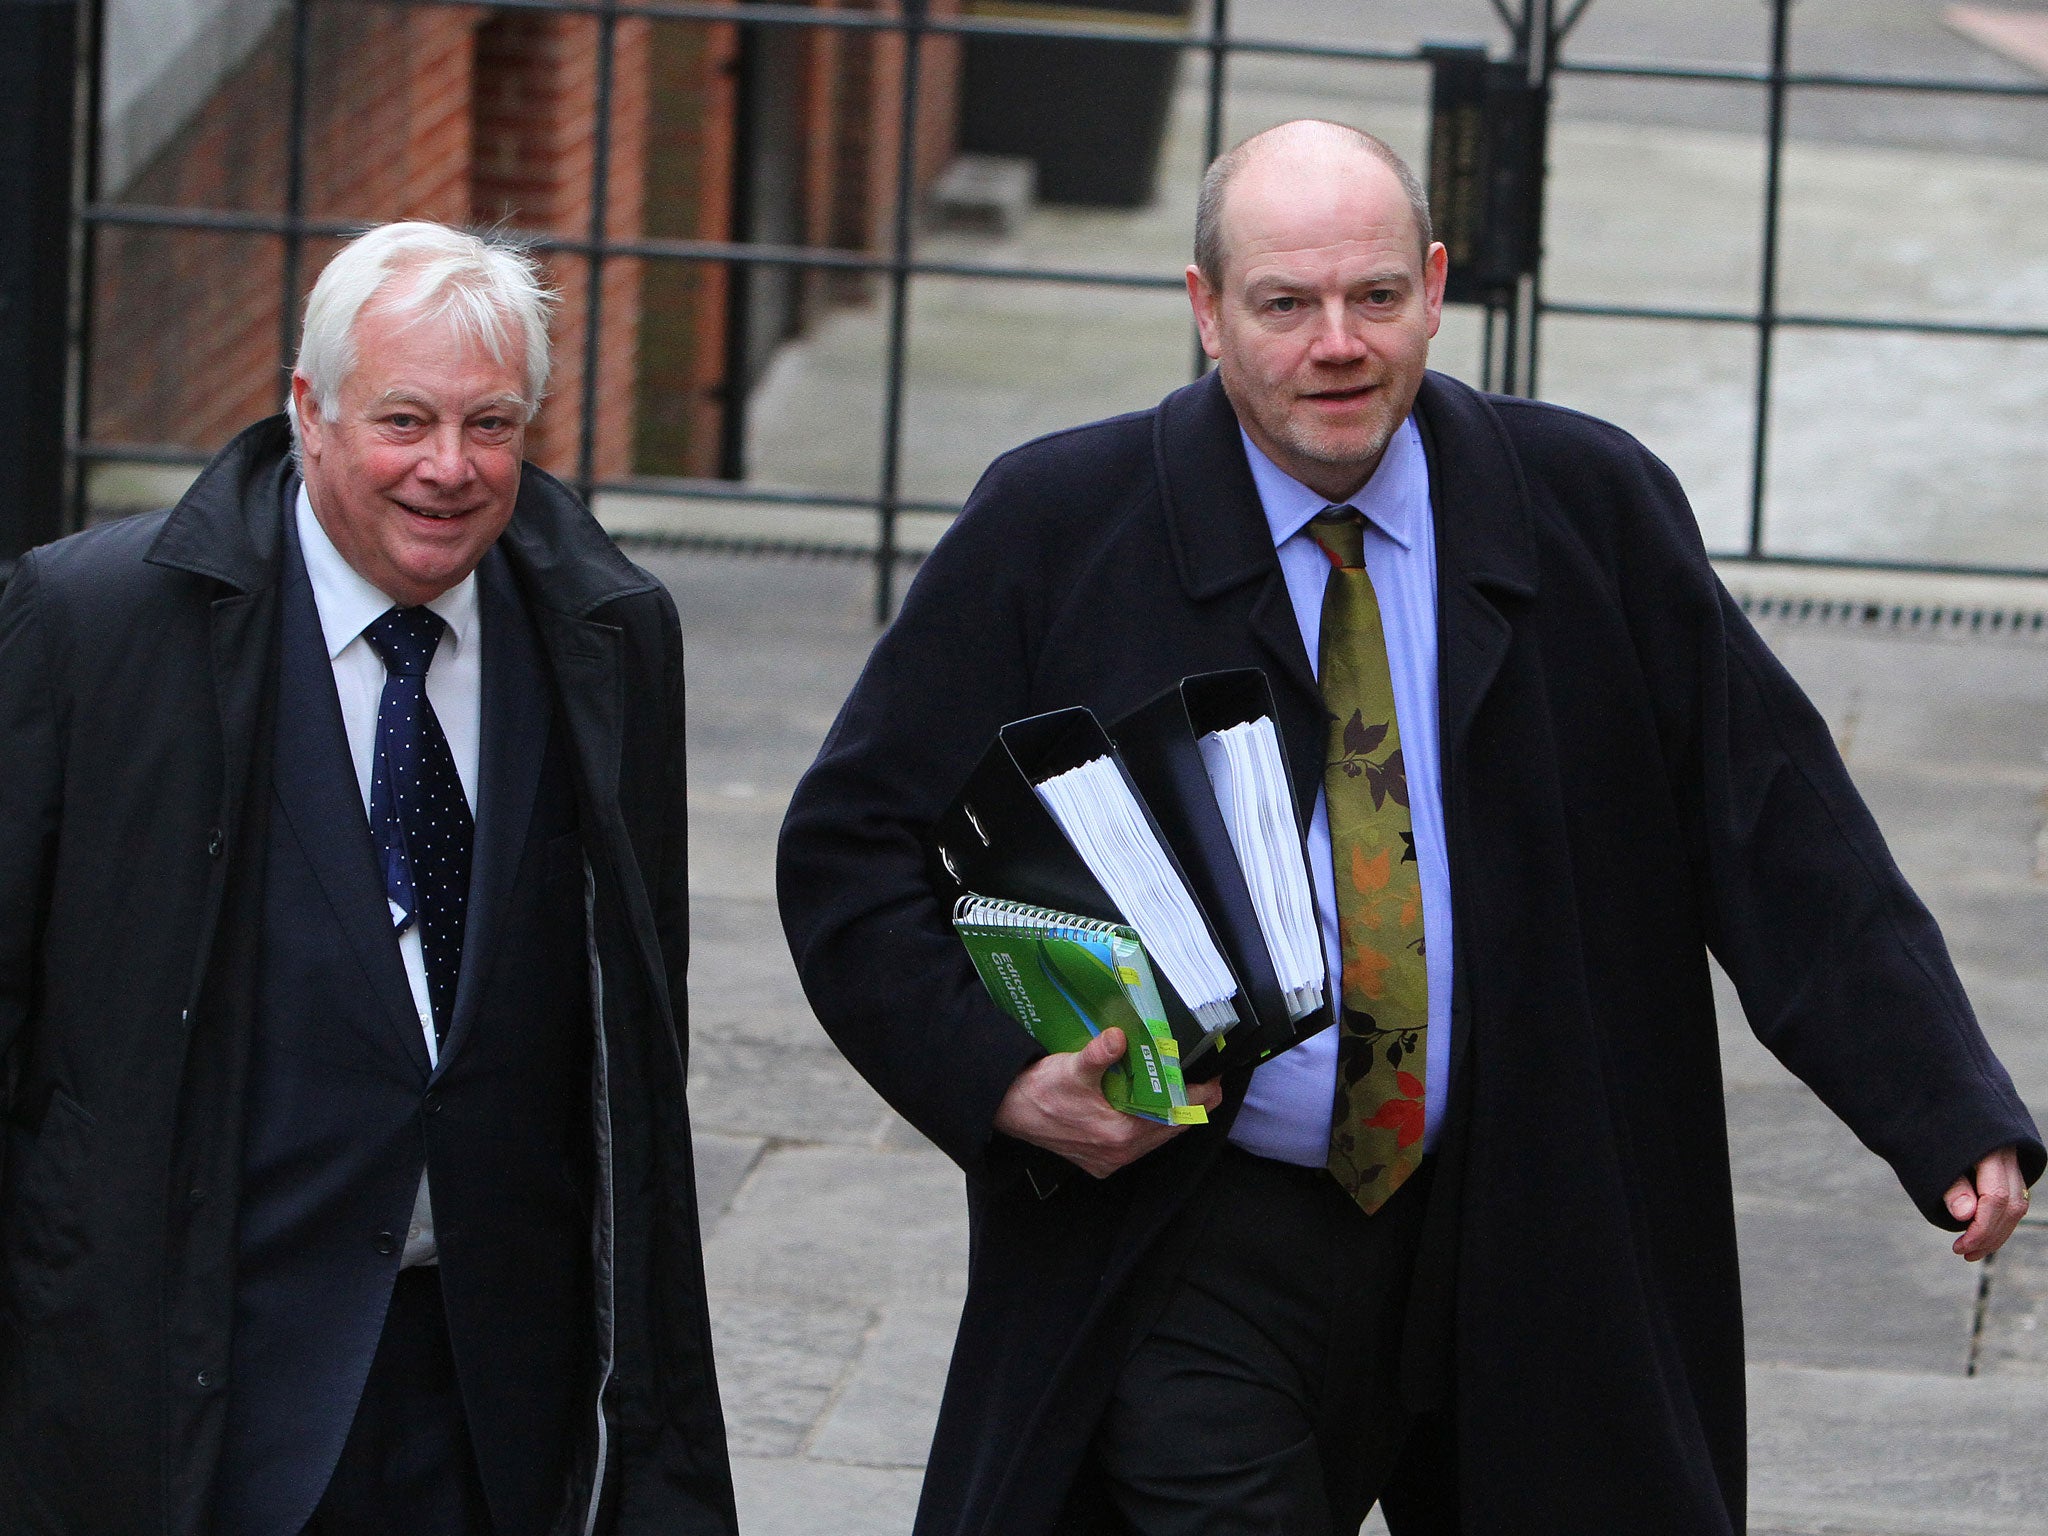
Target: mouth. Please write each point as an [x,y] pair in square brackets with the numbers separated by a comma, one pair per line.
[1349,395]
[434,514]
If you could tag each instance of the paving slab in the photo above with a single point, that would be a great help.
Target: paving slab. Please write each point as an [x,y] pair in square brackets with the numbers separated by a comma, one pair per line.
[1897,1453]
[780,1367]
[723,1163]
[884,1416]
[782,1496]
[829,1225]
[2013,1340]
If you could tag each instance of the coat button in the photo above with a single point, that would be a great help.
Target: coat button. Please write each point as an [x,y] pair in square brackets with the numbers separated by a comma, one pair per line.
[213,843]
[386,1244]
[204,1380]
[195,1197]
[433,1103]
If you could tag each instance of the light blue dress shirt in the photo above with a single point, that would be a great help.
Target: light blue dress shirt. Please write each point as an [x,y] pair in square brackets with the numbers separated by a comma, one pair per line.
[1286,1112]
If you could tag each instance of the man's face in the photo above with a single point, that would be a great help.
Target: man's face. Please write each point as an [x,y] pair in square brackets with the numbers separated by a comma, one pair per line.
[1322,316]
[415,476]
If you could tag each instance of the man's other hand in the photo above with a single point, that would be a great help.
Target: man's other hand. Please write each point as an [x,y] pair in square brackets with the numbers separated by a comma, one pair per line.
[1993,1207]
[1057,1103]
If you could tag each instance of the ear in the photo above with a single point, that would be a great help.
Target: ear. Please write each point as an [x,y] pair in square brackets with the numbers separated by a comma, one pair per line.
[1436,269]
[312,430]
[1207,304]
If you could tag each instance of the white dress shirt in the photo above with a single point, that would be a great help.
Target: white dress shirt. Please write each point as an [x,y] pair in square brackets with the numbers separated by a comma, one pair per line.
[348,604]
[1286,1113]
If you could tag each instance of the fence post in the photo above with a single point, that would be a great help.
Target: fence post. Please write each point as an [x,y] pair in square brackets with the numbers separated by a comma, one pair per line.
[38,72]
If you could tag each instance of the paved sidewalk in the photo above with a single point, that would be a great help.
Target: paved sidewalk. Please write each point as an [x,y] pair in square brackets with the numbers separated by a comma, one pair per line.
[836,1248]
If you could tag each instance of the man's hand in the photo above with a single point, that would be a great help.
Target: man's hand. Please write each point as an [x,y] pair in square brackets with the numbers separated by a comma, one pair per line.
[1993,1208]
[1057,1103]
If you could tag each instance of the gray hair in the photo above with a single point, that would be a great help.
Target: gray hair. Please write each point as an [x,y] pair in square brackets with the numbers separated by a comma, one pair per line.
[487,286]
[1209,206]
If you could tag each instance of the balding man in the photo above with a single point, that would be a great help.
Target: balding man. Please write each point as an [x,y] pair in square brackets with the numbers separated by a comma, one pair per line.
[1469,1251]
[342,893]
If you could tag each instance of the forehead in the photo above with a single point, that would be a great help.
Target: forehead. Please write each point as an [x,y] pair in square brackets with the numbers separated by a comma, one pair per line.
[426,355]
[1334,205]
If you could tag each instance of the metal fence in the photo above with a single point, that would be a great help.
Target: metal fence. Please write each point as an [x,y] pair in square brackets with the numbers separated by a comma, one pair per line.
[1535,34]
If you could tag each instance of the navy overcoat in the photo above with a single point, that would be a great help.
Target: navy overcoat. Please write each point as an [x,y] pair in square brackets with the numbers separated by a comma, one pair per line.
[1630,781]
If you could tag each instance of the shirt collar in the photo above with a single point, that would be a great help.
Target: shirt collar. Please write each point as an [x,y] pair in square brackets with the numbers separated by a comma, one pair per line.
[348,602]
[1392,500]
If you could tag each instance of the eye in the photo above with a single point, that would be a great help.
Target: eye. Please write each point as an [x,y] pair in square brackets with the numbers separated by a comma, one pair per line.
[404,421]
[1381,297]
[1286,304]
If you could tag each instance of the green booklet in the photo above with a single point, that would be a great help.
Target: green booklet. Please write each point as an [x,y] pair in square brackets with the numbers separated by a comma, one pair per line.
[1067,979]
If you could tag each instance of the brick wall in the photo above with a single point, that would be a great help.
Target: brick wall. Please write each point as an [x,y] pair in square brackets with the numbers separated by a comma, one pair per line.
[535,154]
[680,402]
[463,115]
[433,113]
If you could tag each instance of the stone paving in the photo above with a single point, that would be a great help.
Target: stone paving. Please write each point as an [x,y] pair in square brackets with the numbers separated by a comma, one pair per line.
[1892,1392]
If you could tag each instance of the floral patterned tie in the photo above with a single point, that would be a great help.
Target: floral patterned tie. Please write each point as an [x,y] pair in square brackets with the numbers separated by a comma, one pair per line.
[1376,1123]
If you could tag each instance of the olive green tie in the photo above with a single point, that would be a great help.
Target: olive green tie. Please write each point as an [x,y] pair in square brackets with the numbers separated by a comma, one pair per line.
[1377,1120]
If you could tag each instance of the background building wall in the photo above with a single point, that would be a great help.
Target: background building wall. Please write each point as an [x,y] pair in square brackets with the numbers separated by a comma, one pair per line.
[469,116]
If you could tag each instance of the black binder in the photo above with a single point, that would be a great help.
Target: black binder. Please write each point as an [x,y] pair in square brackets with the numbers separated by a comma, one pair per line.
[1159,744]
[998,839]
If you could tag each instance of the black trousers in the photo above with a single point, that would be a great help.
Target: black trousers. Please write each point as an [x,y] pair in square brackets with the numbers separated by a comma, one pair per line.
[1263,1399]
[407,1468]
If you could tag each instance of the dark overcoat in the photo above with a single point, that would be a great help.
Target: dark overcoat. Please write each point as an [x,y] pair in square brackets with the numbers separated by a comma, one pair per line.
[138,674]
[1630,780]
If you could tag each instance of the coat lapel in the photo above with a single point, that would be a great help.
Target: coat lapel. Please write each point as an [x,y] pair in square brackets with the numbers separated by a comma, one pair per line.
[1485,550]
[514,740]
[1221,542]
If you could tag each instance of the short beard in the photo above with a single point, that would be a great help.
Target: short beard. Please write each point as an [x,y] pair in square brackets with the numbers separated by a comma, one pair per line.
[1317,447]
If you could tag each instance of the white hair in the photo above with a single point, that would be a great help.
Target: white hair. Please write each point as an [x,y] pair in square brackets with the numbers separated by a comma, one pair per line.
[486,286]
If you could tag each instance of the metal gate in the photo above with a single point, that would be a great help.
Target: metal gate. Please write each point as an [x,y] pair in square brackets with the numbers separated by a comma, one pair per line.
[1533,42]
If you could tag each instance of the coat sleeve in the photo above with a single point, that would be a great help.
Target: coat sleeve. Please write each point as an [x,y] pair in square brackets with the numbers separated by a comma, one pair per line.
[1841,969]
[875,950]
[30,788]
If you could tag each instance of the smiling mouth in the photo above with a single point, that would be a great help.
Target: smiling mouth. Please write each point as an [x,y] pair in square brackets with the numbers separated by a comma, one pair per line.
[437,516]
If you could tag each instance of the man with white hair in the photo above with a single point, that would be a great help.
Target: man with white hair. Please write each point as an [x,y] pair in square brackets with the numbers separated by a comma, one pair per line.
[347,1182]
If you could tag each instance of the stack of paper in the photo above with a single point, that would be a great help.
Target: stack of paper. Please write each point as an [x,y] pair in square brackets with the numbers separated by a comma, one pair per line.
[1106,825]
[1249,775]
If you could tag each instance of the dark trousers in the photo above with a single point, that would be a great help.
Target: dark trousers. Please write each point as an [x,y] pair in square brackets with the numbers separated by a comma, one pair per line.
[1263,1399]
[407,1468]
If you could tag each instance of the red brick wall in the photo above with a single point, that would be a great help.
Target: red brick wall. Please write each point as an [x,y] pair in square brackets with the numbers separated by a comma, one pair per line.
[534,166]
[465,115]
[690,125]
[432,113]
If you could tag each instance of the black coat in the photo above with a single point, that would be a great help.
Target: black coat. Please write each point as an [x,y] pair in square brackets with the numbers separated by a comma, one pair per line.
[138,667]
[1630,779]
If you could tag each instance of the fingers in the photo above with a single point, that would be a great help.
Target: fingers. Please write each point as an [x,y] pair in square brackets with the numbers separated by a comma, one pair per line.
[1961,1200]
[1057,1103]
[2000,1199]
[1101,1053]
[1209,1095]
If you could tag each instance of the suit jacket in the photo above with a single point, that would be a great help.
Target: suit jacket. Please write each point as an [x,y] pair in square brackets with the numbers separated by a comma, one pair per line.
[139,708]
[344,1107]
[1629,779]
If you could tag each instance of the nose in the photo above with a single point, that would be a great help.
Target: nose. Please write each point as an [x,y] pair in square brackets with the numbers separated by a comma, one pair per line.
[446,459]
[1337,340]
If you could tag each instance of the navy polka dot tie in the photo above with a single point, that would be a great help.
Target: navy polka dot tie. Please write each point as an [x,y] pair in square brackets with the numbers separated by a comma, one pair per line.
[419,817]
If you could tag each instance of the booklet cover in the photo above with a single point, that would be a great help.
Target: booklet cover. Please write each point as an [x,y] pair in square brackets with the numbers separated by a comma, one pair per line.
[1066,978]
